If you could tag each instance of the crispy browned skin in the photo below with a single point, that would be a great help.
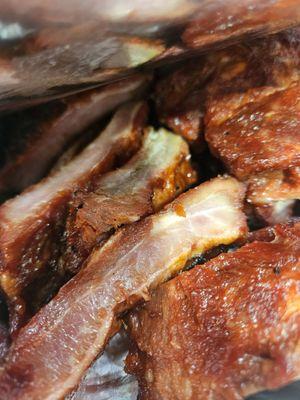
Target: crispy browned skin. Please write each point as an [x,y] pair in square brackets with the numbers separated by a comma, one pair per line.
[225,329]
[4,340]
[32,224]
[157,173]
[252,141]
[222,21]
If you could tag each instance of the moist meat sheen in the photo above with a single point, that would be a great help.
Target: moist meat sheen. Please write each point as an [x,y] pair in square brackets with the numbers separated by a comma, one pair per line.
[157,173]
[51,353]
[225,329]
[32,224]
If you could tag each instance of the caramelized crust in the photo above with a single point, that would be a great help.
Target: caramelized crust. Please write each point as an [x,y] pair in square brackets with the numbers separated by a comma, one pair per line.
[252,140]
[225,329]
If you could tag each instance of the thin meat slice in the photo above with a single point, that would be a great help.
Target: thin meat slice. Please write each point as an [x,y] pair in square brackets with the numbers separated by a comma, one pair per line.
[32,224]
[225,329]
[37,137]
[52,352]
[261,145]
[153,177]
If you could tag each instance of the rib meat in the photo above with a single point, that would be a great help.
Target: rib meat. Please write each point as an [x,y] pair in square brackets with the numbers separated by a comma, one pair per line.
[251,141]
[225,329]
[32,223]
[36,137]
[52,352]
[253,120]
[154,176]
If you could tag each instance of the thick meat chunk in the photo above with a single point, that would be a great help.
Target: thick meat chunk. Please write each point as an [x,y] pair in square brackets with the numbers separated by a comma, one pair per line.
[4,341]
[263,135]
[32,224]
[274,194]
[52,352]
[35,138]
[157,173]
[253,120]
[225,329]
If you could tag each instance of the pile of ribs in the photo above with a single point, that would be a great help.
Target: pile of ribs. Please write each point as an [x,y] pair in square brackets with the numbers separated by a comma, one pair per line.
[165,204]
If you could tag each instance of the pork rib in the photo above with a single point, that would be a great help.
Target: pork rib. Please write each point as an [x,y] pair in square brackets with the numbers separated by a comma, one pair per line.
[254,98]
[225,329]
[51,353]
[31,224]
[42,133]
[153,177]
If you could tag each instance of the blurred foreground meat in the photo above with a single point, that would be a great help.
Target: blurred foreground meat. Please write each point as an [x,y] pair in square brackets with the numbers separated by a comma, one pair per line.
[153,177]
[32,224]
[37,137]
[222,21]
[253,120]
[225,329]
[52,352]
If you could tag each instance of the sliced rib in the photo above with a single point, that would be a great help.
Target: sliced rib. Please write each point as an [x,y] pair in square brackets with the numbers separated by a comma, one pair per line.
[51,353]
[32,224]
[225,329]
[153,177]
[37,137]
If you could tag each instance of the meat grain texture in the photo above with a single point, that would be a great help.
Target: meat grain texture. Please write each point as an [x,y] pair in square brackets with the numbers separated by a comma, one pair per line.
[52,352]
